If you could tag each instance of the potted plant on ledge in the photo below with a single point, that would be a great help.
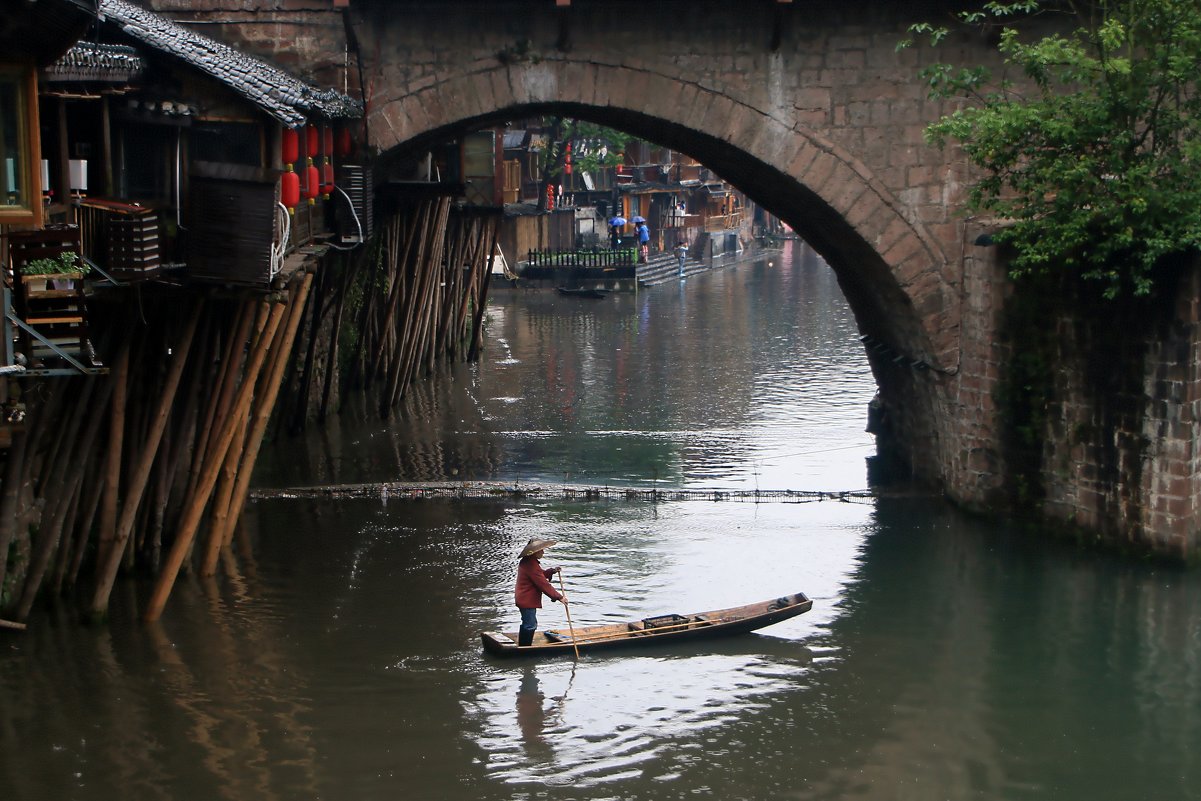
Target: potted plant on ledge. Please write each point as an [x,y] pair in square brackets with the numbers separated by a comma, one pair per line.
[63,270]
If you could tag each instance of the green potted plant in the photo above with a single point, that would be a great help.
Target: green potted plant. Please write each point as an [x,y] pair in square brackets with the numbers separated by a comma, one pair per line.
[64,270]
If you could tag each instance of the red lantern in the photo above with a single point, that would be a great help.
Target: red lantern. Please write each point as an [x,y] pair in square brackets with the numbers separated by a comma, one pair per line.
[327,178]
[289,189]
[310,141]
[550,198]
[327,141]
[567,159]
[345,142]
[312,182]
[290,150]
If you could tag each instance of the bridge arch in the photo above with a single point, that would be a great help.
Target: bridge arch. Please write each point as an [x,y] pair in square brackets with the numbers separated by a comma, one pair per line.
[894,272]
[892,269]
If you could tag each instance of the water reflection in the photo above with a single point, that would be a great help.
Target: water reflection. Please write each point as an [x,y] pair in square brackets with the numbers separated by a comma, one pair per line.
[752,378]
[338,657]
[615,718]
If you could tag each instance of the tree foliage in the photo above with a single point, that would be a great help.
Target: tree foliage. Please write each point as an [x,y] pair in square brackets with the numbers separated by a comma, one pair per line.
[595,145]
[1089,140]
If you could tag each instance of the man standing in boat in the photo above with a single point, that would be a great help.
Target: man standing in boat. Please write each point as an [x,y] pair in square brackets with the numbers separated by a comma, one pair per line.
[532,583]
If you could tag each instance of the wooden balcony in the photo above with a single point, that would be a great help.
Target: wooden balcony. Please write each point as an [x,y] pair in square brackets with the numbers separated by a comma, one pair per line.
[723,222]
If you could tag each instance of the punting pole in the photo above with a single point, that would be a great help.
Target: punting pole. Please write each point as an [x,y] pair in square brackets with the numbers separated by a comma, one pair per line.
[567,608]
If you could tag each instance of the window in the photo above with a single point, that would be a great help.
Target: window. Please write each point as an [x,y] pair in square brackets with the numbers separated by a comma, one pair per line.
[20,200]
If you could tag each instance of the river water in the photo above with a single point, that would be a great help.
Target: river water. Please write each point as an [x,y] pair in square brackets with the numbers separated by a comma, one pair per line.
[946,657]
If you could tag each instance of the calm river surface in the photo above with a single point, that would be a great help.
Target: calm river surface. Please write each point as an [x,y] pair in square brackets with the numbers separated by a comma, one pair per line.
[946,657]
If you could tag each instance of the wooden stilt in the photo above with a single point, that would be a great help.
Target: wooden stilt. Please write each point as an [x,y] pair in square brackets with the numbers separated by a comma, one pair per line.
[116,443]
[262,416]
[225,488]
[477,326]
[190,519]
[69,476]
[137,484]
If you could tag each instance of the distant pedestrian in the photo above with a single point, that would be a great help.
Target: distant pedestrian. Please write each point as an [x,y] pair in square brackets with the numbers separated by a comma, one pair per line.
[614,237]
[681,255]
[644,242]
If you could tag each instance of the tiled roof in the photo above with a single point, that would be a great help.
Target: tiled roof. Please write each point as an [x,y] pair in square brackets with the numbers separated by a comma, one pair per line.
[283,96]
[96,62]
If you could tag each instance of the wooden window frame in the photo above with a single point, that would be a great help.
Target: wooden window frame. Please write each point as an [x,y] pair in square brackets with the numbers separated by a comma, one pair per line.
[24,77]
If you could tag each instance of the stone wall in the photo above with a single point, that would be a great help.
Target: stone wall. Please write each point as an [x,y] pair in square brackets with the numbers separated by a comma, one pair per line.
[1122,438]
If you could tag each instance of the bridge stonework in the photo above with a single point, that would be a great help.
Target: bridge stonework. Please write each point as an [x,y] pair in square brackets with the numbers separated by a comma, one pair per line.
[812,111]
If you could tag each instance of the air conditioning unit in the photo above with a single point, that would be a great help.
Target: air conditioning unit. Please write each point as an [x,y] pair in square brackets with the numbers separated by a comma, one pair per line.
[354,220]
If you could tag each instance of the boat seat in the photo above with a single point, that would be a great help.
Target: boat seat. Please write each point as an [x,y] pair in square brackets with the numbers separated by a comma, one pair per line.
[555,636]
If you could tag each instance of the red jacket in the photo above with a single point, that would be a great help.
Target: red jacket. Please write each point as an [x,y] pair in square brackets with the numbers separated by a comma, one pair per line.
[532,583]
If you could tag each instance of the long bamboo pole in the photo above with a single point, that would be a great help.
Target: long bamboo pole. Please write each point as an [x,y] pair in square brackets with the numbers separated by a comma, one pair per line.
[477,330]
[137,485]
[190,519]
[51,534]
[258,426]
[116,443]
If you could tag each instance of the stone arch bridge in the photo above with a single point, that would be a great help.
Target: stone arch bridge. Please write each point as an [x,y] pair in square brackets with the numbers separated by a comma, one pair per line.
[809,108]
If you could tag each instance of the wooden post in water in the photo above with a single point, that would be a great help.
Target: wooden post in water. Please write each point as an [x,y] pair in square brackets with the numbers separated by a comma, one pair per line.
[190,519]
[477,327]
[107,572]
[68,477]
[116,442]
[221,536]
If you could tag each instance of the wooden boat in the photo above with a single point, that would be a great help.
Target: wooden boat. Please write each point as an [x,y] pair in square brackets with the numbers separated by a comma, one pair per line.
[652,630]
[581,292]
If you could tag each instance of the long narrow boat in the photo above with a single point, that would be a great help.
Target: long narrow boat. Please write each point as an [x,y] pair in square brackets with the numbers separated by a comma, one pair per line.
[651,630]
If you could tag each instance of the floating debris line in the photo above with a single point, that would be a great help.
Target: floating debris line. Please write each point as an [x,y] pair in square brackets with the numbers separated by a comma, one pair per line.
[518,491]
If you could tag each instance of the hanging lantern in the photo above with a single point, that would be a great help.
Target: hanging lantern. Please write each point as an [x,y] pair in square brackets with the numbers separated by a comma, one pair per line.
[345,144]
[312,183]
[567,160]
[327,178]
[550,198]
[311,141]
[327,141]
[290,146]
[289,189]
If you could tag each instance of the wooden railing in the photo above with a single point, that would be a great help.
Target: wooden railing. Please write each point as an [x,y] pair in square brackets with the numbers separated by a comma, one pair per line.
[723,222]
[582,258]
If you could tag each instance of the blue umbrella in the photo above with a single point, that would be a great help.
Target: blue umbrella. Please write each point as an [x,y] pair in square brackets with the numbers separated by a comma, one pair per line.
[637,219]
[617,221]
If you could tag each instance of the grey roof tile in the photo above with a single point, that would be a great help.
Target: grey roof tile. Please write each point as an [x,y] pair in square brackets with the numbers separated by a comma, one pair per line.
[283,96]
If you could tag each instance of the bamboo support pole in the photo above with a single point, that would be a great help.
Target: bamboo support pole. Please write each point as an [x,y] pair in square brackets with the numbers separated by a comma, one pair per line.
[224,362]
[220,505]
[477,331]
[67,539]
[301,406]
[90,510]
[414,353]
[190,519]
[69,477]
[50,458]
[331,365]
[116,443]
[263,408]
[137,485]
[10,497]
